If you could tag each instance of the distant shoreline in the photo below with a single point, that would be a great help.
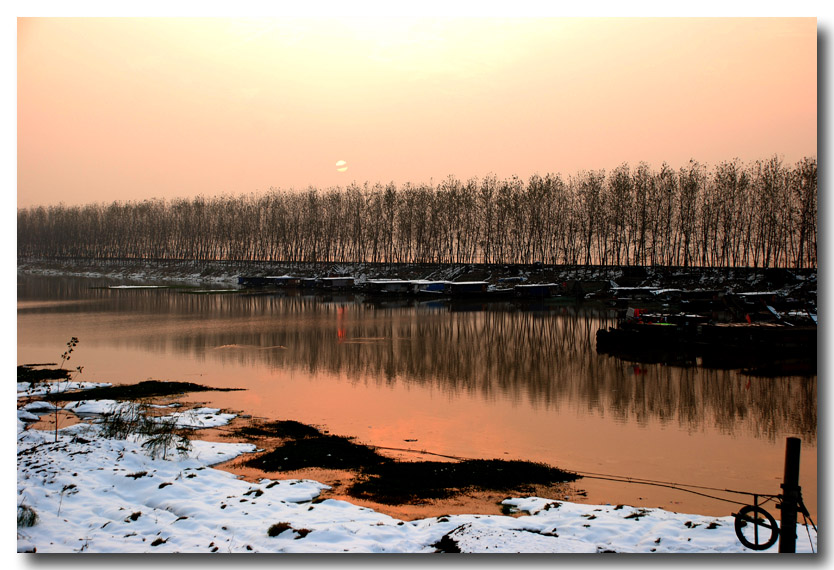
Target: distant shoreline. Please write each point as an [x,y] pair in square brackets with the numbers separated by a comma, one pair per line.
[227,272]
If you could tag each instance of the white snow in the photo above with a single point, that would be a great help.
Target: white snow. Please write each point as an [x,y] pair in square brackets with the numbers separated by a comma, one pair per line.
[202,418]
[39,406]
[96,406]
[25,416]
[42,388]
[138,287]
[93,494]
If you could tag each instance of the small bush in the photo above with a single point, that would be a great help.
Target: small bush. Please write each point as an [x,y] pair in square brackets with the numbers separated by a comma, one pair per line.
[26,516]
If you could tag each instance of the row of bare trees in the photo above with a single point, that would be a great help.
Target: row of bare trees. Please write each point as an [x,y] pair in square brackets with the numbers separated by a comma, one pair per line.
[762,214]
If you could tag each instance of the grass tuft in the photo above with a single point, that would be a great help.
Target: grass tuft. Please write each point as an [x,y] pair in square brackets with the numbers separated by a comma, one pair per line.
[280,527]
[26,516]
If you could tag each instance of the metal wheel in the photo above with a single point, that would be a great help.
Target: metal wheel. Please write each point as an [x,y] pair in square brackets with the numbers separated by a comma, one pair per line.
[758,518]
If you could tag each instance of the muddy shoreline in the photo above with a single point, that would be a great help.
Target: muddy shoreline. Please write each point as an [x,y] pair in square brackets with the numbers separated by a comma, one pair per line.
[403,483]
[471,499]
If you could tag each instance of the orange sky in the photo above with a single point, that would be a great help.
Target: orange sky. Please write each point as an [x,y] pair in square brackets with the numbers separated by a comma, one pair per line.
[128,109]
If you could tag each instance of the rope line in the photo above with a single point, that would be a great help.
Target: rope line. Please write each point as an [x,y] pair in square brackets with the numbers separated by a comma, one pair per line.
[805,513]
[421,452]
[671,485]
[687,488]
[808,531]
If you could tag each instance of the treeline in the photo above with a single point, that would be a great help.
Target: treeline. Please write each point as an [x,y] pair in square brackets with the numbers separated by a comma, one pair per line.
[762,214]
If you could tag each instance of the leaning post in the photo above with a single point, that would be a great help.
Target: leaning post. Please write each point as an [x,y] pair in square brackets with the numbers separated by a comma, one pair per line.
[790,496]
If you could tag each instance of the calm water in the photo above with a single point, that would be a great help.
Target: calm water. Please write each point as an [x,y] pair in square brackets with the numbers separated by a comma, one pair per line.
[474,381]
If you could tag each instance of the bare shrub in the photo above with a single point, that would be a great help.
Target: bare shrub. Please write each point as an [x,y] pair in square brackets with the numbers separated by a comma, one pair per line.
[124,420]
[163,435]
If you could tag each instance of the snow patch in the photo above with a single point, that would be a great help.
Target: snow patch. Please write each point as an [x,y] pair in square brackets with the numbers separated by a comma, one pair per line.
[94,494]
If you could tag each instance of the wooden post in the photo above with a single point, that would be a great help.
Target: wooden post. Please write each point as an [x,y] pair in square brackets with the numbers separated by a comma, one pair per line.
[790,496]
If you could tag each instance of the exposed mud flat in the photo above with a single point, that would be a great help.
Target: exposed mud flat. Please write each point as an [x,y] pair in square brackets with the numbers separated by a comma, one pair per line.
[388,482]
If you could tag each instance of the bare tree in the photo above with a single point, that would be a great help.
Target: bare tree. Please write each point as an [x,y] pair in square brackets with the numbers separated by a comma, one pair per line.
[735,215]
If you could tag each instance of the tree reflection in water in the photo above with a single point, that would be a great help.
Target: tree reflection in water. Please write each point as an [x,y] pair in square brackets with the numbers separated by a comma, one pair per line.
[543,354]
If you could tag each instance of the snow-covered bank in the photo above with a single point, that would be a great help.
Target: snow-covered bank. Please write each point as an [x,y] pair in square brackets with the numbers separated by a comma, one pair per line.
[94,494]
[225,273]
[143,272]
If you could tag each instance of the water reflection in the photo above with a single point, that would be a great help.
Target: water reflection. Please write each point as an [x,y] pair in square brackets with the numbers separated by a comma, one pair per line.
[542,355]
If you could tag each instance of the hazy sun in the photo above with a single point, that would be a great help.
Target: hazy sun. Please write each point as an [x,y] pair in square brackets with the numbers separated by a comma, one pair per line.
[341,166]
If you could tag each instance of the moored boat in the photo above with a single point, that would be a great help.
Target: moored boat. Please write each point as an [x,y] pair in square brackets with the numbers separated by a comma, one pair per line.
[687,338]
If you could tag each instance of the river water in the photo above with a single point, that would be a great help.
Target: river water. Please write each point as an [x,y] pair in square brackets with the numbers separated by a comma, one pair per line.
[493,380]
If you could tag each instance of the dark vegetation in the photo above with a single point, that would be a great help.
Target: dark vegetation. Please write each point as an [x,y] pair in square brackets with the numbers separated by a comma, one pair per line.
[325,451]
[389,481]
[26,516]
[34,373]
[280,527]
[146,389]
[761,214]
[282,428]
[447,544]
[395,482]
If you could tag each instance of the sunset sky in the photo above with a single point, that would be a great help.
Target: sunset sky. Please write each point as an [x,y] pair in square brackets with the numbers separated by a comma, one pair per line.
[130,108]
